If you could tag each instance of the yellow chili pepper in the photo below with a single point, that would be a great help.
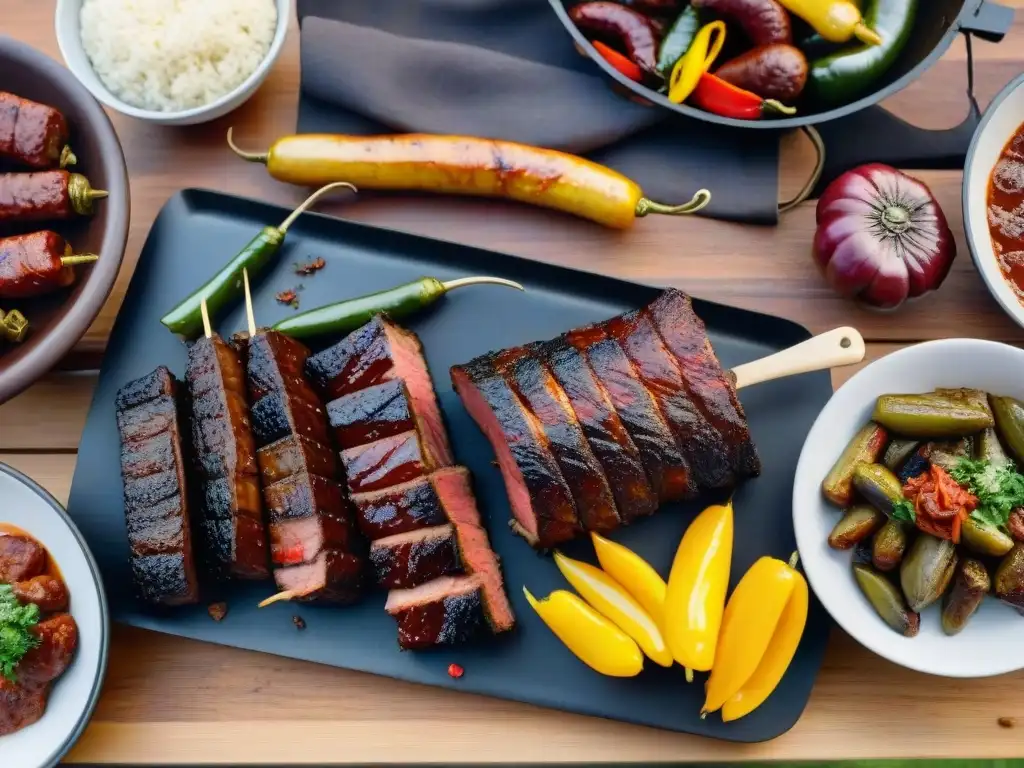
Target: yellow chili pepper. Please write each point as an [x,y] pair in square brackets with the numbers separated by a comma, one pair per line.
[835,20]
[697,60]
[751,618]
[776,659]
[695,599]
[615,604]
[590,636]
[634,573]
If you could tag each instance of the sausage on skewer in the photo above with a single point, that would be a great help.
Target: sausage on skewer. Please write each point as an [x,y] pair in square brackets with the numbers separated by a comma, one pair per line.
[37,264]
[46,196]
[33,134]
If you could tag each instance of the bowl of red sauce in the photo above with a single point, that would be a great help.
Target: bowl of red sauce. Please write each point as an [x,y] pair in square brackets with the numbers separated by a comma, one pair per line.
[993,198]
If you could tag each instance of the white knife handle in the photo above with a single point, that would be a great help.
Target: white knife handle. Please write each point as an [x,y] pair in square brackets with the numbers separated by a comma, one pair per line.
[842,346]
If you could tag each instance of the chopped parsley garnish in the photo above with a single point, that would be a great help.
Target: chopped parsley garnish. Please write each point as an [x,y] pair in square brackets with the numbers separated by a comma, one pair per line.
[903,511]
[999,488]
[16,637]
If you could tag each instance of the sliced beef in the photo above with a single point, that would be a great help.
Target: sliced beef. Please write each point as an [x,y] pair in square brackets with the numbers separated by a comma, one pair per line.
[302,539]
[294,455]
[46,591]
[401,508]
[20,558]
[541,502]
[231,515]
[608,438]
[156,505]
[664,464]
[281,414]
[303,496]
[475,552]
[445,611]
[709,386]
[370,414]
[378,352]
[387,462]
[333,577]
[58,639]
[541,394]
[409,559]
[276,363]
[699,442]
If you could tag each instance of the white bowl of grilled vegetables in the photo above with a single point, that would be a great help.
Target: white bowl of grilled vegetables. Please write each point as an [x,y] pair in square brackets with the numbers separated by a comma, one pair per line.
[909,507]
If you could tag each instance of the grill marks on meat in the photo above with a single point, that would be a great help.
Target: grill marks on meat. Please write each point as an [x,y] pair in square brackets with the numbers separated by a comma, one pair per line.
[542,504]
[444,611]
[409,559]
[385,463]
[156,502]
[370,414]
[314,547]
[698,441]
[231,513]
[399,509]
[709,386]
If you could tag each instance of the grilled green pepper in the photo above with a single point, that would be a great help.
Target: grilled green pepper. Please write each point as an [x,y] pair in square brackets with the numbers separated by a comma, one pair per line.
[1009,581]
[397,302]
[898,452]
[879,487]
[889,545]
[950,413]
[984,539]
[677,40]
[927,570]
[886,600]
[866,446]
[987,446]
[1009,416]
[843,77]
[969,588]
[856,524]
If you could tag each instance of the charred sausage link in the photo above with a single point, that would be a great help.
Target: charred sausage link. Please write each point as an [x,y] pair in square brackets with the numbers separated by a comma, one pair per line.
[46,196]
[37,264]
[33,134]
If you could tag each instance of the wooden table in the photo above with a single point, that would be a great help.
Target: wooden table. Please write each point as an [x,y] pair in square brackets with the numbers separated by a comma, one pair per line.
[169,700]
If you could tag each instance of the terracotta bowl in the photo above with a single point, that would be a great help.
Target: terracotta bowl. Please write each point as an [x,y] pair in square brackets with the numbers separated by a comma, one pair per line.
[59,320]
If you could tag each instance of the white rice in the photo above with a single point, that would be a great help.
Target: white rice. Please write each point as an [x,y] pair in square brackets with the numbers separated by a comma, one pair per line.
[172,55]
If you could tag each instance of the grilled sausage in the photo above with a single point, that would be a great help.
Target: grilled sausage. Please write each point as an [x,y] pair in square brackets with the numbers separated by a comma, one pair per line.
[33,134]
[46,196]
[36,264]
[631,28]
[770,71]
[763,21]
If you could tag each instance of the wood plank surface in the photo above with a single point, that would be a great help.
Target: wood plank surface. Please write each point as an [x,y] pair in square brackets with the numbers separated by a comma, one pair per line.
[169,700]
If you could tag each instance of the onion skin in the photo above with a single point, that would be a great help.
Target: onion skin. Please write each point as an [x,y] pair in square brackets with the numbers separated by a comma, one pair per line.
[882,237]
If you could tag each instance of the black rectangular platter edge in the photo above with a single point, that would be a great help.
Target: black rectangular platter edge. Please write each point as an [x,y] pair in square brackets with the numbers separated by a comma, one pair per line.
[198,229]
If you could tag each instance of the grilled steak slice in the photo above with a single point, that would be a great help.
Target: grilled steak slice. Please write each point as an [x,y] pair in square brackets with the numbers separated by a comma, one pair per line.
[156,505]
[303,496]
[20,558]
[603,429]
[294,455]
[381,352]
[444,611]
[665,466]
[401,508]
[333,577]
[698,441]
[281,414]
[276,363]
[541,502]
[709,386]
[387,462]
[538,391]
[231,514]
[475,553]
[302,539]
[409,559]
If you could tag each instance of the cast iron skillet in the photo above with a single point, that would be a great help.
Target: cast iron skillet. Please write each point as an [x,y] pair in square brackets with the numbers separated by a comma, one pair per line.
[937,24]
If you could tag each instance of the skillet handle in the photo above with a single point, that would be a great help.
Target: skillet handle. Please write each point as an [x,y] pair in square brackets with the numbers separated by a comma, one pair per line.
[990,21]
[841,346]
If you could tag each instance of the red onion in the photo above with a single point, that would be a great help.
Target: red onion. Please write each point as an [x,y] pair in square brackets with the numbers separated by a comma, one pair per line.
[882,237]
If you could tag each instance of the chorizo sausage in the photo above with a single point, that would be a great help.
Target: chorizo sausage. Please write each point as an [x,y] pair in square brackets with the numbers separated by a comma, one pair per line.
[763,21]
[36,264]
[624,25]
[46,196]
[33,134]
[771,71]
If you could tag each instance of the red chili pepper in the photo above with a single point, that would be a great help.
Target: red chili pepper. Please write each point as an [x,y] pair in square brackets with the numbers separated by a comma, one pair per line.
[715,95]
[620,62]
[456,671]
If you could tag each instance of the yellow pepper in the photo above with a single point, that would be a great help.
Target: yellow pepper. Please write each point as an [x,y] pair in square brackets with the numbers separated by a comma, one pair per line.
[590,636]
[835,20]
[615,604]
[697,60]
[697,585]
[749,626]
[634,573]
[776,659]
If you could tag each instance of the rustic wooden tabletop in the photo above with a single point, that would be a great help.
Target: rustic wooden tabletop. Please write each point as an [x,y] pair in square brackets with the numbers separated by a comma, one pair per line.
[169,700]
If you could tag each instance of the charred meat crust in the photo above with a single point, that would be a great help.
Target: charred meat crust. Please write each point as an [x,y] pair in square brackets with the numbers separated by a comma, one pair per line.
[451,613]
[399,509]
[385,463]
[360,360]
[410,559]
[371,414]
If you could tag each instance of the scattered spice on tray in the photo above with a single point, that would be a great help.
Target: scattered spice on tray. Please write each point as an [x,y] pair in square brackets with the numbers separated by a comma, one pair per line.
[456,671]
[299,622]
[1006,722]
[494,463]
[289,297]
[217,611]
[310,267]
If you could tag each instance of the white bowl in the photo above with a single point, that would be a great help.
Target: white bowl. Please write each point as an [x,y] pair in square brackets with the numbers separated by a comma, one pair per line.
[74,695]
[69,39]
[1001,120]
[990,643]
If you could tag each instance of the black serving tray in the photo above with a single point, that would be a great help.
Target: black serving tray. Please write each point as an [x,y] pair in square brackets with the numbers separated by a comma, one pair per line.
[199,230]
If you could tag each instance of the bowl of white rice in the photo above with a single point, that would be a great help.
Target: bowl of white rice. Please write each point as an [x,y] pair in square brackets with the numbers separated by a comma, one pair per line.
[172,62]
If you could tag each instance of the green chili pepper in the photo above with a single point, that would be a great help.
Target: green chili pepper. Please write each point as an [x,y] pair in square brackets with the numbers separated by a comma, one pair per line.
[850,73]
[677,40]
[400,301]
[13,326]
[225,287]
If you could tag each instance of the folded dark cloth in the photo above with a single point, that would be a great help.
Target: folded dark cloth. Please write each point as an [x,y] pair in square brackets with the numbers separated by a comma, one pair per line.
[508,69]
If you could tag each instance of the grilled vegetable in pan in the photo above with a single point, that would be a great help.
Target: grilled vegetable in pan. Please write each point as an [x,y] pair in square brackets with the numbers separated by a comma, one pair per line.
[970,586]
[949,413]
[46,196]
[627,27]
[13,326]
[697,60]
[835,20]
[721,98]
[32,134]
[467,166]
[775,71]
[927,570]
[677,40]
[620,62]
[37,264]
[856,524]
[889,545]
[865,447]
[763,21]
[887,600]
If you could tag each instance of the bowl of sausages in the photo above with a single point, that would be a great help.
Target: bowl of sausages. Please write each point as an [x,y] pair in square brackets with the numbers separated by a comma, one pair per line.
[64,209]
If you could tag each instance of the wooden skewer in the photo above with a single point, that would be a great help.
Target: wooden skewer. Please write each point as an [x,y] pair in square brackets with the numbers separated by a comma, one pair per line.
[288,594]
[207,328]
[248,303]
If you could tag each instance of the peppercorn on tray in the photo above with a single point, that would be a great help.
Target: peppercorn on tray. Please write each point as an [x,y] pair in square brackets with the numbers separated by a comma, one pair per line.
[198,230]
